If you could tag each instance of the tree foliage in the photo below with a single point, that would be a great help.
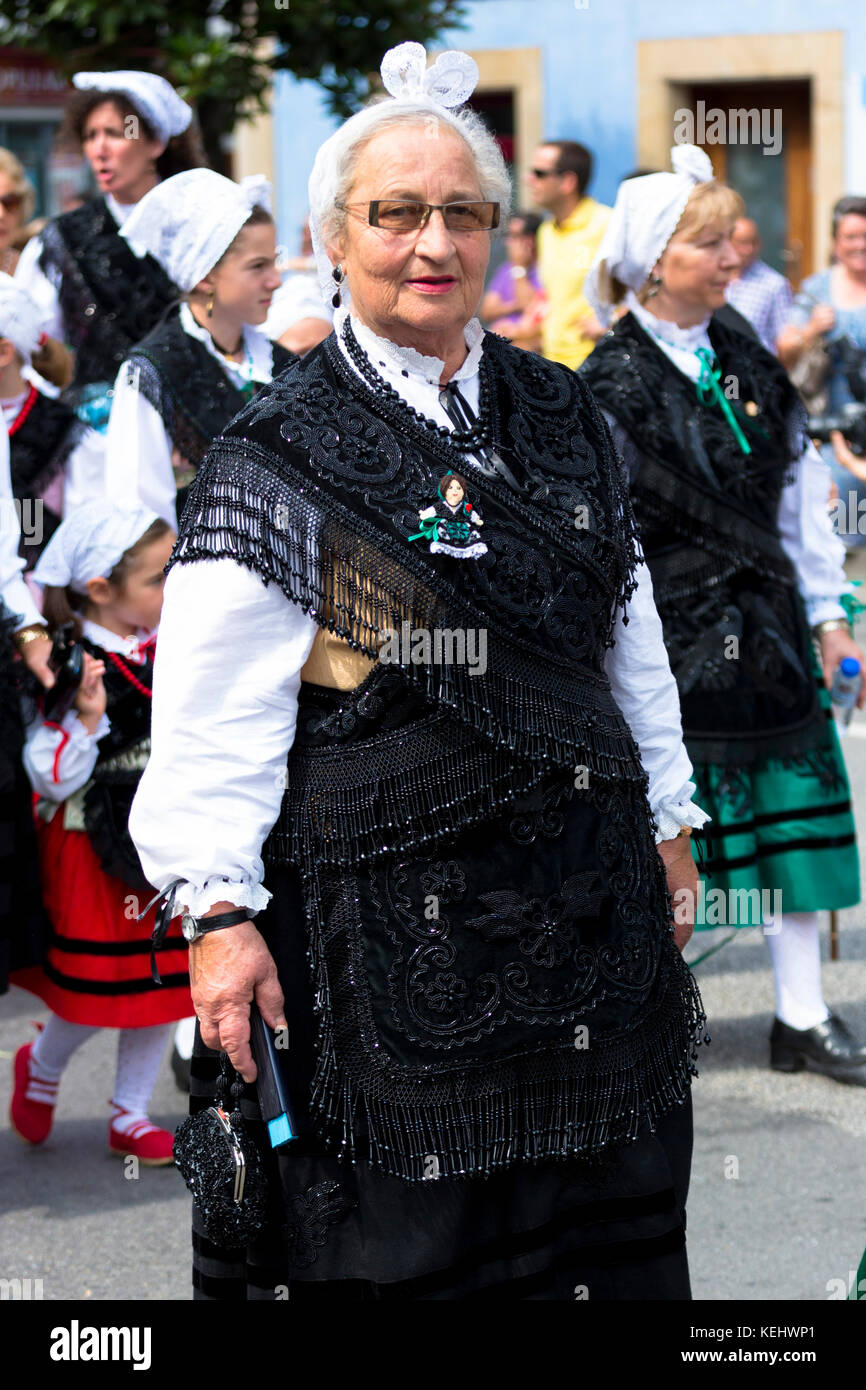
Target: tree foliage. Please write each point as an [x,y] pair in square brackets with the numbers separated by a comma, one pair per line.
[222,56]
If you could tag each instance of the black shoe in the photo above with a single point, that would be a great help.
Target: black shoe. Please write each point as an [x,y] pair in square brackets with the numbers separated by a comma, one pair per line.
[180,1067]
[828,1048]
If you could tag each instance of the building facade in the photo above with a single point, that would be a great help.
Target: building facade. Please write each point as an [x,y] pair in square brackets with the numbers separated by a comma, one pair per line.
[774,89]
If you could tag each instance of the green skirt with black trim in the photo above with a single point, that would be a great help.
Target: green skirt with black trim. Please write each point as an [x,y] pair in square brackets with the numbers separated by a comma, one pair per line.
[782,836]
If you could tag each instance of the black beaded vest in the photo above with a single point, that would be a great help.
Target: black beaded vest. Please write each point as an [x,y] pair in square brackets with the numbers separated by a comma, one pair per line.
[39,449]
[190,391]
[487,916]
[109,297]
[123,755]
[734,624]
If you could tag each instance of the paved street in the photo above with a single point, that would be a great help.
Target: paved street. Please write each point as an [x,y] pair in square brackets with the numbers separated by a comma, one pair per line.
[778,1202]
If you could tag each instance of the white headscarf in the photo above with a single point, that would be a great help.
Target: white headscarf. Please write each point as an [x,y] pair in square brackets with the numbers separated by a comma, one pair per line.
[20,320]
[413,87]
[90,542]
[643,220]
[188,221]
[165,112]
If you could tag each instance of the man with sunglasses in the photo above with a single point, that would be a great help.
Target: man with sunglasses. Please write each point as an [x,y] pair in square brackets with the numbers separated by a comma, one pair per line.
[567,243]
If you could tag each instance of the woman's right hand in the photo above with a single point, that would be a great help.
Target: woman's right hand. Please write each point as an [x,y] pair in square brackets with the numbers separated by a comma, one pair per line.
[227,970]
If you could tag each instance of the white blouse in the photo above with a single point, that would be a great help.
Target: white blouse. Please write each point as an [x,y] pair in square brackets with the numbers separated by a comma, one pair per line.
[138,463]
[814,549]
[226,683]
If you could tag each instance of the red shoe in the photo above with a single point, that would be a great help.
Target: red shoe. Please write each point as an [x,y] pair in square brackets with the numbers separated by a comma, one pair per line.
[145,1141]
[31,1119]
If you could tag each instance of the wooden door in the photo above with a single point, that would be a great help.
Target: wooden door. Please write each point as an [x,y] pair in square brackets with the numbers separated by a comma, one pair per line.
[777,188]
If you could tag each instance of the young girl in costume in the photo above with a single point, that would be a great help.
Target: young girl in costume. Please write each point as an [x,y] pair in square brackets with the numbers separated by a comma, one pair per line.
[182,384]
[103,573]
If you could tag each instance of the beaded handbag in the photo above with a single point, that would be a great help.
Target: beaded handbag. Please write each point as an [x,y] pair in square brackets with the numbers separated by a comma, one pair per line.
[222,1167]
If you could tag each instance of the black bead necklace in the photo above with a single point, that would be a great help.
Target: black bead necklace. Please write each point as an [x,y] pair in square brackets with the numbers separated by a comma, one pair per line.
[467,441]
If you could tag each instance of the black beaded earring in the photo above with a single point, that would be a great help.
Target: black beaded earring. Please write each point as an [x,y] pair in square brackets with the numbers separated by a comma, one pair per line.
[338,276]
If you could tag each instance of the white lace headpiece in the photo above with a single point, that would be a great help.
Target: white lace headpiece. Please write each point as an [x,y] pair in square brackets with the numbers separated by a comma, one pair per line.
[90,542]
[20,319]
[165,112]
[190,220]
[413,88]
[642,223]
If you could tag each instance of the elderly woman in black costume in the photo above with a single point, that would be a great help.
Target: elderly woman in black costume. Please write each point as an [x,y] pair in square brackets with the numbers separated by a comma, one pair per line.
[465,928]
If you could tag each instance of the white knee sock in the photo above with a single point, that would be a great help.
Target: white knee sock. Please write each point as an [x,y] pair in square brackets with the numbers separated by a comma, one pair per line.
[796,955]
[139,1053]
[51,1051]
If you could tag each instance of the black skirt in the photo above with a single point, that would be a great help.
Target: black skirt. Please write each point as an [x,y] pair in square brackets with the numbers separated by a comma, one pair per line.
[608,1228]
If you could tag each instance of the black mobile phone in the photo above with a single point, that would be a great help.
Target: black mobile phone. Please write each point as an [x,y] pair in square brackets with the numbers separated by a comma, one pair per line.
[67,663]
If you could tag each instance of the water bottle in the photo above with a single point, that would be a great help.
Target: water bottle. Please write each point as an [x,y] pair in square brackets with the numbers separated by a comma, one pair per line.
[844,692]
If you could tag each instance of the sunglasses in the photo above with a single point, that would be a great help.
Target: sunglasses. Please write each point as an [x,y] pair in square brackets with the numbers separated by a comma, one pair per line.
[11,202]
[397,215]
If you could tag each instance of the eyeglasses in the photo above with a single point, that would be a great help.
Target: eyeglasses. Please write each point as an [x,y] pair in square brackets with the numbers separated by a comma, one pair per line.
[11,201]
[396,215]
[545,173]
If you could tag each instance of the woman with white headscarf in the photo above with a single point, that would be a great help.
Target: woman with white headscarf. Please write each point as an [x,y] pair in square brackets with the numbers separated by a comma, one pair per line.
[395,670]
[182,384]
[732,502]
[93,293]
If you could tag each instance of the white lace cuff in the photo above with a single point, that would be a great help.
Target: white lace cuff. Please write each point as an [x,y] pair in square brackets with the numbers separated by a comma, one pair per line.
[222,890]
[672,812]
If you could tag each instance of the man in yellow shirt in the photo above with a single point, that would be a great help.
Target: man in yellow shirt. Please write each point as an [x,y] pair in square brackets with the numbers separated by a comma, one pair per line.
[567,243]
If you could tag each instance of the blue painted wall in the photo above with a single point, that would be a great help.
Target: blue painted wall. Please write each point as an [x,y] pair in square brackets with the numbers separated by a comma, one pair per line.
[590,77]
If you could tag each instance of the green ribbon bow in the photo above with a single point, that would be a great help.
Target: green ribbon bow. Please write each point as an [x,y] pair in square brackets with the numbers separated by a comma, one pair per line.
[709,390]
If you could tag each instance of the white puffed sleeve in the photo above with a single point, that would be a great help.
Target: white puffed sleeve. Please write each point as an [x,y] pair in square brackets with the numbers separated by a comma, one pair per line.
[646,692]
[59,758]
[138,450]
[817,553]
[42,290]
[225,697]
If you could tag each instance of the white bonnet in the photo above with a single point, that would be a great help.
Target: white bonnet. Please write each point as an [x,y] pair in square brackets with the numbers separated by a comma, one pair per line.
[165,112]
[643,220]
[190,220]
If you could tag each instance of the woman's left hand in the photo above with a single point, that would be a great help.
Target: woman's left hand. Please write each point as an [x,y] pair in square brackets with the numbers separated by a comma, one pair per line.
[835,646]
[683,885]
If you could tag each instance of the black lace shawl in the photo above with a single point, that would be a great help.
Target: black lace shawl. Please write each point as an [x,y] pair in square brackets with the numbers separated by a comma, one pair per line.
[187,386]
[447,1040]
[734,623]
[39,450]
[109,297]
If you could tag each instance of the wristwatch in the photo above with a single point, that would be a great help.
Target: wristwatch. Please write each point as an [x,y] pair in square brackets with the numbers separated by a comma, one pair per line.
[194,928]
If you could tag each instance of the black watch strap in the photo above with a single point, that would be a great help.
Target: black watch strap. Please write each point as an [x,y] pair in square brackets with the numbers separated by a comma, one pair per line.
[220,920]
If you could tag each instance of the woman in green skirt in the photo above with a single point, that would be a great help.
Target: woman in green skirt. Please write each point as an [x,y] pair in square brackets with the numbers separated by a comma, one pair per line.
[732,501]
